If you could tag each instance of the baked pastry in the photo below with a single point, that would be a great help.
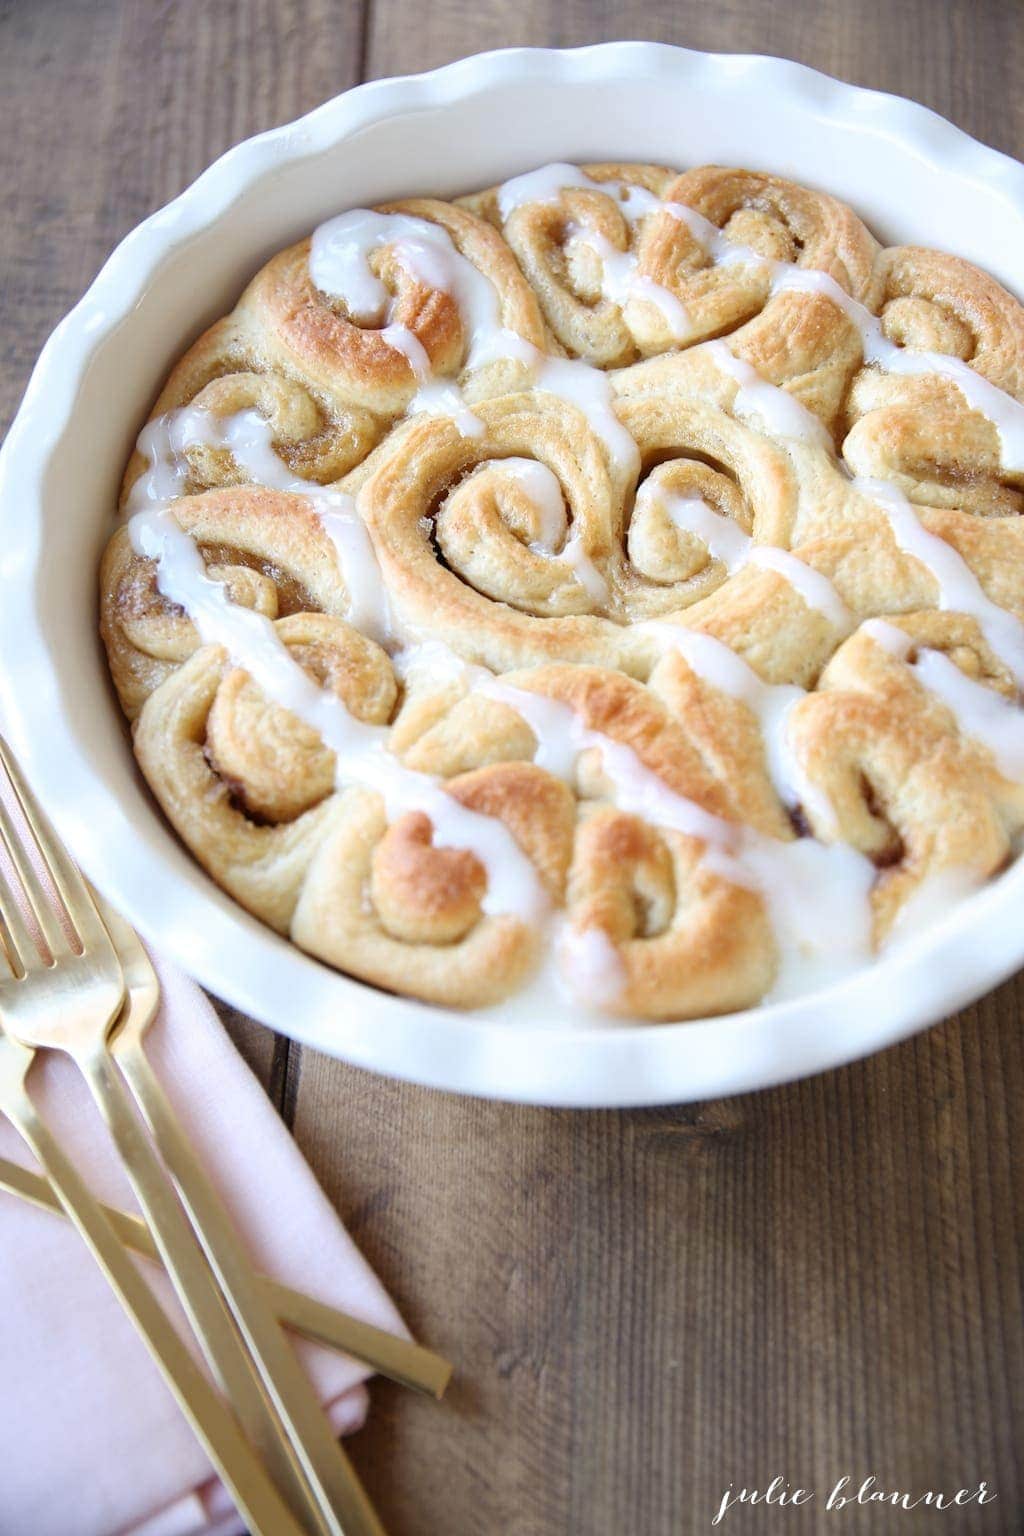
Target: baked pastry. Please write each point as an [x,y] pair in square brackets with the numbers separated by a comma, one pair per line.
[606,589]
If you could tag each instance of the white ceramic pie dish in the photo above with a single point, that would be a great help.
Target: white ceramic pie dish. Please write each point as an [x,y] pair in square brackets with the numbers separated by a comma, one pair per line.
[912,177]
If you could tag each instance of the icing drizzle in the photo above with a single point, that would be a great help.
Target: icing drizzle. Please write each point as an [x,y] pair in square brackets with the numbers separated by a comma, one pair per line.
[361,752]
[790,876]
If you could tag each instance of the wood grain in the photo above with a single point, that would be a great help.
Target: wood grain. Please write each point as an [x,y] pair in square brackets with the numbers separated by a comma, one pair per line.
[820,1281]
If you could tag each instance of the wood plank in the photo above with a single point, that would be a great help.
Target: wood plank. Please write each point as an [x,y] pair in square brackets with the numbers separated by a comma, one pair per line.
[818,1281]
[148,96]
[646,1307]
[110,110]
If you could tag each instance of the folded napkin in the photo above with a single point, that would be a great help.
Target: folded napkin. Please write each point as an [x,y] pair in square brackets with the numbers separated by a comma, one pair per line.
[92,1442]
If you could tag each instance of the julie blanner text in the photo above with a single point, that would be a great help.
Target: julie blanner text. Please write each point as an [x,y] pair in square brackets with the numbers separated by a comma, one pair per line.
[846,1493]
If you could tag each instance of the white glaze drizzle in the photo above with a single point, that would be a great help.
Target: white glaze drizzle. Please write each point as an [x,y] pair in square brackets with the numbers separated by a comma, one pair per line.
[726,541]
[166,472]
[673,312]
[790,875]
[554,541]
[622,282]
[620,279]
[786,874]
[980,712]
[722,536]
[435,397]
[780,413]
[369,609]
[783,416]
[361,752]
[780,871]
[770,703]
[1004,412]
[833,881]
[818,900]
[959,588]
[543,491]
[339,257]
[584,979]
[815,589]
[590,965]
[249,438]
[546,185]
[432,662]
[590,391]
[585,571]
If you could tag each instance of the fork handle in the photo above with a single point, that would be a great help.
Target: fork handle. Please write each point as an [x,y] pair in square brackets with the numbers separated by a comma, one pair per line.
[197,1289]
[342,1496]
[249,1485]
[400,1360]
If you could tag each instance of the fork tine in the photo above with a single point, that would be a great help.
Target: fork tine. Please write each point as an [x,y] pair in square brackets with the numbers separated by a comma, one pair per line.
[130,949]
[71,887]
[19,942]
[39,899]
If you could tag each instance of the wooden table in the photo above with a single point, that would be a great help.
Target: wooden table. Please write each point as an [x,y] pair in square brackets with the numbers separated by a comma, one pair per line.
[820,1281]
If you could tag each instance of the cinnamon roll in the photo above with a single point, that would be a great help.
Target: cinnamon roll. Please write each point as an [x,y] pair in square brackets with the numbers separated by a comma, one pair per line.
[606,590]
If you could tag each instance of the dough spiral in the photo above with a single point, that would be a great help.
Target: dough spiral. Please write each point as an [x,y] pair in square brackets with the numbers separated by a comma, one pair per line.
[605,589]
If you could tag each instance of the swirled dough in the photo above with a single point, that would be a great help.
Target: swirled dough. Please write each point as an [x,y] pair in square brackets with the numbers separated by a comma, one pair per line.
[616,574]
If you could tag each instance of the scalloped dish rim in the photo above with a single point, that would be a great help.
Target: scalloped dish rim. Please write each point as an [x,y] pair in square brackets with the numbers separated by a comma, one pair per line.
[138,864]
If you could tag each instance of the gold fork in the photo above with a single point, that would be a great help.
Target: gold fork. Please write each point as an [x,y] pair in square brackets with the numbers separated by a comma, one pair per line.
[400,1360]
[315,1442]
[44,1017]
[96,993]
[71,1006]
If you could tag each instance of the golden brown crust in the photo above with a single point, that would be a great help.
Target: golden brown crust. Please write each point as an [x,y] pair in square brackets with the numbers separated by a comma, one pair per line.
[352,359]
[267,547]
[689,942]
[918,432]
[564,273]
[900,783]
[387,905]
[318,434]
[579,589]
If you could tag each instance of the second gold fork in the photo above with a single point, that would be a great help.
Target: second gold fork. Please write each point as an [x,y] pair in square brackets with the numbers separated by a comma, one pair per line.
[314,1441]
[317,1481]
[48,1016]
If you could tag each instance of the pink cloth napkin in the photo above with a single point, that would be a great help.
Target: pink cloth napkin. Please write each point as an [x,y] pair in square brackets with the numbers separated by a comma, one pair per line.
[92,1442]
